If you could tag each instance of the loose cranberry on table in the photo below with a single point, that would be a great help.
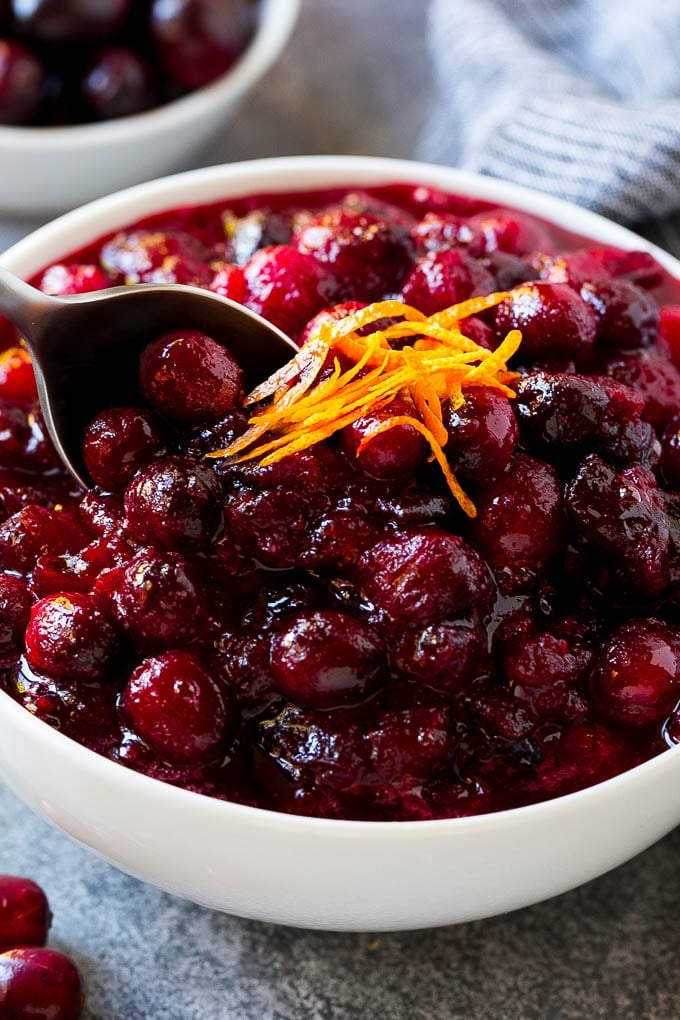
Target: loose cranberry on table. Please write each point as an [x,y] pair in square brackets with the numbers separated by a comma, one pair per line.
[36,982]
[25,915]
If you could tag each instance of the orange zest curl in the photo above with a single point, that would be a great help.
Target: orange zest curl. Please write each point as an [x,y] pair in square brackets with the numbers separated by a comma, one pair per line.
[301,407]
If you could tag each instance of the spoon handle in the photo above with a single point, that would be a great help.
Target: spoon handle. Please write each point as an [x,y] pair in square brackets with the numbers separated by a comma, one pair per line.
[23,304]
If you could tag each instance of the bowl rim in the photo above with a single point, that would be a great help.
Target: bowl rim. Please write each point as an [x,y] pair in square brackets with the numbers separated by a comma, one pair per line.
[275,24]
[120,209]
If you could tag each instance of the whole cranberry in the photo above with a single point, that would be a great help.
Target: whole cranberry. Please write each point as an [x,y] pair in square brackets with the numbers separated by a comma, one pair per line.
[119,442]
[270,525]
[39,983]
[448,657]
[198,40]
[101,513]
[174,503]
[637,678]
[444,278]
[288,287]
[483,434]
[622,514]
[258,228]
[59,22]
[73,278]
[118,84]
[627,316]
[156,256]
[329,315]
[409,740]
[439,230]
[72,636]
[519,526]
[554,321]
[15,607]
[367,255]
[327,659]
[577,268]
[34,531]
[17,380]
[22,83]
[189,377]
[476,330]
[25,915]
[338,537]
[425,574]
[242,663]
[510,231]
[177,708]
[395,453]
[228,282]
[156,598]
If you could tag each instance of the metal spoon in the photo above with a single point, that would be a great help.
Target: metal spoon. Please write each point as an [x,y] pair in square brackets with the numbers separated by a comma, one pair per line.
[85,349]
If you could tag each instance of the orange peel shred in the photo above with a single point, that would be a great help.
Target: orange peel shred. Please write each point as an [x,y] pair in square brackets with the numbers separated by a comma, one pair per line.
[345,370]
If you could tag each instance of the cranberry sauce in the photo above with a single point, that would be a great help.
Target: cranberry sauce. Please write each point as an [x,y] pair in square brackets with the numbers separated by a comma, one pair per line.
[330,634]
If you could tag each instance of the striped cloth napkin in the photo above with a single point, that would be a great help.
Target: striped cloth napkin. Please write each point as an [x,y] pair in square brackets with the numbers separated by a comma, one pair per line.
[579,98]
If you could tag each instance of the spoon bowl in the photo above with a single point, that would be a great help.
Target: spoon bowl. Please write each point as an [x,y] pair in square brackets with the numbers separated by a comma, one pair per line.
[86,348]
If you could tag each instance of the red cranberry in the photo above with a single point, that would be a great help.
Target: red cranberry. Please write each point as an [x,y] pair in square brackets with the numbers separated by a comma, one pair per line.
[440,230]
[243,664]
[640,267]
[448,657]
[190,377]
[61,22]
[118,84]
[229,282]
[445,278]
[102,513]
[576,268]
[318,470]
[154,256]
[156,598]
[425,574]
[476,330]
[326,659]
[33,532]
[576,412]
[199,40]
[73,278]
[15,607]
[517,543]
[329,315]
[177,708]
[22,83]
[216,436]
[367,255]
[508,271]
[637,680]
[669,330]
[482,434]
[396,453]
[510,231]
[287,287]
[40,983]
[55,574]
[408,742]
[623,515]
[554,321]
[259,228]
[627,317]
[587,753]
[337,539]
[73,636]
[269,525]
[17,381]
[119,442]
[656,378]
[174,503]
[25,915]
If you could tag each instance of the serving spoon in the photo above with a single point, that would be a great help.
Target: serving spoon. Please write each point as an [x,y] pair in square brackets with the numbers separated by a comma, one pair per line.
[86,348]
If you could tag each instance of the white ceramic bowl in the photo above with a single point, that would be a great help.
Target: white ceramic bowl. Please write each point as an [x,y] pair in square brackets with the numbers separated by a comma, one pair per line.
[312,872]
[51,169]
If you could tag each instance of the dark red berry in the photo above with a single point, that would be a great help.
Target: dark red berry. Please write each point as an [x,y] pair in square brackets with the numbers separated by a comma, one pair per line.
[482,434]
[510,231]
[155,256]
[119,442]
[655,378]
[25,915]
[448,657]
[627,316]
[395,453]
[39,983]
[554,321]
[425,574]
[177,708]
[189,377]
[118,84]
[15,607]
[17,381]
[637,679]
[445,278]
[35,531]
[288,287]
[62,22]
[23,83]
[440,230]
[327,659]
[367,255]
[174,503]
[72,636]
[670,454]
